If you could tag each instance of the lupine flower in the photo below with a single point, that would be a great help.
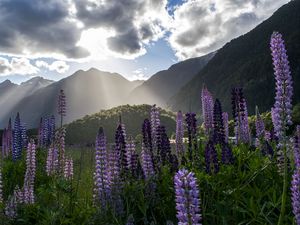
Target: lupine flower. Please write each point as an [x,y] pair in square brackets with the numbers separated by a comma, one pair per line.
[187,198]
[61,106]
[218,128]
[17,140]
[11,207]
[7,140]
[121,147]
[259,125]
[179,134]
[225,124]
[240,116]
[267,135]
[19,195]
[191,122]
[207,110]
[267,148]
[147,164]
[52,161]
[174,162]
[1,187]
[163,144]
[30,173]
[211,159]
[155,122]
[295,184]
[60,143]
[100,175]
[284,90]
[227,155]
[147,136]
[130,155]
[114,183]
[68,169]
[130,220]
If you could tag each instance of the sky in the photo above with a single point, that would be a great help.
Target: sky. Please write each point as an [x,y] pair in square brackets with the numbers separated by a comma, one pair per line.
[135,38]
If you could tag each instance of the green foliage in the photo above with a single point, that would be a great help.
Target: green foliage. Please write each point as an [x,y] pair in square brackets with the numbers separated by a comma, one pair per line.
[247,192]
[83,131]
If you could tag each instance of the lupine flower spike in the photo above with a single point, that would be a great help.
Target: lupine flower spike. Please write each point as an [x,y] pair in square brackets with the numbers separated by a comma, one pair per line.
[187,198]
[207,110]
[295,184]
[30,174]
[100,175]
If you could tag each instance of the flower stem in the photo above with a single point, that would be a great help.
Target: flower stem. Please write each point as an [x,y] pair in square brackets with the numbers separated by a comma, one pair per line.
[284,190]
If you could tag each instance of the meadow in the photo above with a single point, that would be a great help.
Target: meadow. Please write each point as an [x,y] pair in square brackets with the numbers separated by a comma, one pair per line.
[213,178]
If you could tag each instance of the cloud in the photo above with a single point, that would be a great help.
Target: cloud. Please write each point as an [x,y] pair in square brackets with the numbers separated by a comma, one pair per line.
[132,24]
[39,28]
[21,66]
[58,66]
[96,29]
[54,28]
[203,26]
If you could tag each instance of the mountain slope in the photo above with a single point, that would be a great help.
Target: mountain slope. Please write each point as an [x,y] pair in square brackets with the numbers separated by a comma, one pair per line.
[83,131]
[12,94]
[246,62]
[164,84]
[86,91]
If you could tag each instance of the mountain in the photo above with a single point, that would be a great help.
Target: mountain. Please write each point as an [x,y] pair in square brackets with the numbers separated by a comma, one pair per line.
[246,62]
[84,130]
[166,83]
[11,94]
[86,91]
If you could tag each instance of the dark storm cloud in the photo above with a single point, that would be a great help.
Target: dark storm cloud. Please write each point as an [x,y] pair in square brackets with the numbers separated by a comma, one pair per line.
[41,27]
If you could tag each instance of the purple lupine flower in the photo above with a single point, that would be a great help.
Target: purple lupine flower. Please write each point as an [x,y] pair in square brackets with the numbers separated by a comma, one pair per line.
[130,155]
[61,106]
[187,198]
[17,140]
[226,126]
[207,110]
[147,163]
[227,155]
[24,135]
[179,134]
[60,144]
[284,90]
[68,169]
[240,116]
[295,184]
[218,127]
[259,125]
[191,122]
[19,195]
[267,135]
[114,183]
[163,144]
[1,187]
[267,148]
[130,220]
[147,136]
[100,175]
[120,144]
[52,161]
[40,133]
[30,173]
[11,207]
[155,122]
[211,159]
